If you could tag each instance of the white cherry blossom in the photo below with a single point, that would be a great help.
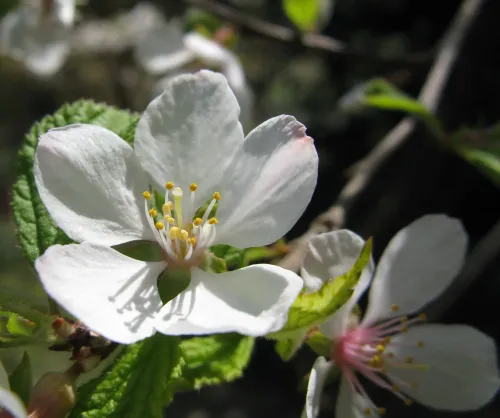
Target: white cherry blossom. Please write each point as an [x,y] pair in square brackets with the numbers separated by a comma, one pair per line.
[448,367]
[39,35]
[189,145]
[165,49]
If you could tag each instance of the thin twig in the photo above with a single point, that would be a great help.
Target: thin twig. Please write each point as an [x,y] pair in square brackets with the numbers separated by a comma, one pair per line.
[285,34]
[335,216]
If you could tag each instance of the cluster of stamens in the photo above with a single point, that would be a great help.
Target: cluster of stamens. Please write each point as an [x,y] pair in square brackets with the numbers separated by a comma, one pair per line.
[366,351]
[181,235]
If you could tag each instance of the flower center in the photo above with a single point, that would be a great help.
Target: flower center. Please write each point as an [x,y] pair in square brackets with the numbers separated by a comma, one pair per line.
[182,240]
[366,351]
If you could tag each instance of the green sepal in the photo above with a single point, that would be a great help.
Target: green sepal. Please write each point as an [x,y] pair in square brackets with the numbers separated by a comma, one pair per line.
[288,347]
[20,380]
[172,282]
[213,264]
[214,359]
[321,345]
[233,257]
[311,309]
[138,384]
[35,229]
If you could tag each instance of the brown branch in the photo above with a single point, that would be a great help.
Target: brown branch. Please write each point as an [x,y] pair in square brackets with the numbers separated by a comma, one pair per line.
[335,216]
[285,34]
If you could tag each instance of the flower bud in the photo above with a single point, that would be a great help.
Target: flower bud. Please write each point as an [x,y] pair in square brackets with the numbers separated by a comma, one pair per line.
[53,396]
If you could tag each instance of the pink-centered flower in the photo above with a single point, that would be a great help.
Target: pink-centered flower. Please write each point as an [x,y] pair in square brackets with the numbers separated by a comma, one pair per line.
[449,367]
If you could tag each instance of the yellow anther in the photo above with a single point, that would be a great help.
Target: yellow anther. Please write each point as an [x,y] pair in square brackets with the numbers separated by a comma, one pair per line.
[380,348]
[159,226]
[175,232]
[193,187]
[170,185]
[169,219]
[192,240]
[408,402]
[213,221]
[183,235]
[395,388]
[404,319]
[422,317]
[153,212]
[197,222]
[381,411]
[409,360]
[404,329]
[394,307]
[420,344]
[367,411]
[147,195]
[216,196]
[376,361]
[167,207]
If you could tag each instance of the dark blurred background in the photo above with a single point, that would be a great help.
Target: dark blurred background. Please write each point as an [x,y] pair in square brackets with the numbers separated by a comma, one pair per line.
[419,178]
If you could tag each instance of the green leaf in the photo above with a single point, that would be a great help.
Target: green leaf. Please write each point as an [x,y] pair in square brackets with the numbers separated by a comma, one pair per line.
[138,384]
[481,148]
[35,228]
[313,308]
[381,94]
[213,360]
[304,14]
[20,379]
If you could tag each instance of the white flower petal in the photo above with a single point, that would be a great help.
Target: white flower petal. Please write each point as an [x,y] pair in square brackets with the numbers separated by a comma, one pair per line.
[162,49]
[419,263]
[91,183]
[190,133]
[350,404]
[208,51]
[317,378]
[251,301]
[64,12]
[111,293]
[211,53]
[268,185]
[12,403]
[45,48]
[46,51]
[462,366]
[331,255]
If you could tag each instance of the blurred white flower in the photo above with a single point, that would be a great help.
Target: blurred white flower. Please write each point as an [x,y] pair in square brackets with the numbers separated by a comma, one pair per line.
[448,367]
[165,49]
[9,401]
[39,35]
